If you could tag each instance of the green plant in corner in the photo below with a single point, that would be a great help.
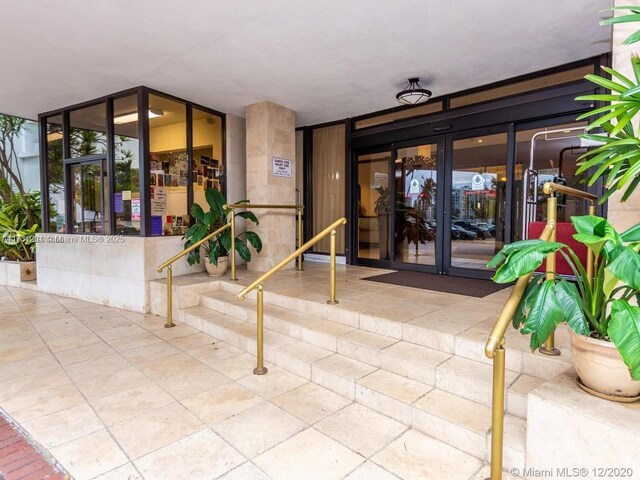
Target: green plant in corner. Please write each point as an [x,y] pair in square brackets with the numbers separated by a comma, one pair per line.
[383,202]
[606,308]
[217,216]
[617,160]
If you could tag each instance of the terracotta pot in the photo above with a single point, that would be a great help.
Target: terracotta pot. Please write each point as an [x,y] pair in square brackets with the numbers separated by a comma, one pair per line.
[217,270]
[601,368]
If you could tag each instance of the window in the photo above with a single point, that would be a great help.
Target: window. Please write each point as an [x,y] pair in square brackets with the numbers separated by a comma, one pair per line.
[207,168]
[55,173]
[126,186]
[399,115]
[88,131]
[169,166]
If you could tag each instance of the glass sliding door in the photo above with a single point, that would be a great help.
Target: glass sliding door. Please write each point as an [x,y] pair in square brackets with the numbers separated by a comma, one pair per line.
[416,182]
[478,200]
[374,206]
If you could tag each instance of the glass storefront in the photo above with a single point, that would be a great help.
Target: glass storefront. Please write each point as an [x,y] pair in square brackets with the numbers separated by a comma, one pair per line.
[116,172]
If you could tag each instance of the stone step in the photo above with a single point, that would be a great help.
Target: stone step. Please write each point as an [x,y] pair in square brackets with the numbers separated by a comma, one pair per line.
[446,416]
[474,381]
[466,425]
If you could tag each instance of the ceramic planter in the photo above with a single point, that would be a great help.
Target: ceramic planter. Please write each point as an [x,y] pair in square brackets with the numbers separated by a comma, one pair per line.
[601,369]
[217,270]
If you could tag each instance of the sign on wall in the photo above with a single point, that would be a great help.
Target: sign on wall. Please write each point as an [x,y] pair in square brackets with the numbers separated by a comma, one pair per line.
[135,209]
[158,200]
[477,182]
[281,167]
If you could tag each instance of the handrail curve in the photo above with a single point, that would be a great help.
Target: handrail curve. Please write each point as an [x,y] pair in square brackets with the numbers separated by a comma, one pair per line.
[186,251]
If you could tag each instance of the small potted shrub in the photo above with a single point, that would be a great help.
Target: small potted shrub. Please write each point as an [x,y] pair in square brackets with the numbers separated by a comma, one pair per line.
[216,250]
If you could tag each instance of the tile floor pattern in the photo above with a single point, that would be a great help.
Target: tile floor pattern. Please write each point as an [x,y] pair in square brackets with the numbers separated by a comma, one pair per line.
[113,395]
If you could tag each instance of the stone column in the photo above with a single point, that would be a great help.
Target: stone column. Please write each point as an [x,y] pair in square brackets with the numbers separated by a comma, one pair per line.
[624,215]
[271,133]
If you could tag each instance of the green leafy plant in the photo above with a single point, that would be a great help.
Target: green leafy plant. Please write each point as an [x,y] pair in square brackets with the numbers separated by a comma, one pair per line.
[17,240]
[606,308]
[208,222]
[618,159]
[383,202]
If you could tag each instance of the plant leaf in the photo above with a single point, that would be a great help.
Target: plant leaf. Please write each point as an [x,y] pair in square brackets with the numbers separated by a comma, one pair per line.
[249,216]
[572,306]
[525,303]
[624,331]
[254,239]
[523,258]
[626,267]
[243,250]
[545,315]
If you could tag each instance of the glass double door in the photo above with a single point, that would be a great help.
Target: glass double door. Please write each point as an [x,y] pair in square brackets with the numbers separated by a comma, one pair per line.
[436,205]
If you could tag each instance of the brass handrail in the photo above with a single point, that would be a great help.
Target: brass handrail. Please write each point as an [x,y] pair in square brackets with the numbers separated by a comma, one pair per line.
[246,205]
[494,348]
[169,266]
[257,284]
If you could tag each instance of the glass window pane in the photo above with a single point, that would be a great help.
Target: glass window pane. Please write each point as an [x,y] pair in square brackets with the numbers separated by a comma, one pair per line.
[169,166]
[374,205]
[478,199]
[415,214]
[126,197]
[87,206]
[328,167]
[555,157]
[399,115]
[55,174]
[207,168]
[523,86]
[88,131]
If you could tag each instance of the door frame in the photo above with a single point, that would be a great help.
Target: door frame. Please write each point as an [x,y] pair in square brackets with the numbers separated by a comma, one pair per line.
[100,159]
[439,141]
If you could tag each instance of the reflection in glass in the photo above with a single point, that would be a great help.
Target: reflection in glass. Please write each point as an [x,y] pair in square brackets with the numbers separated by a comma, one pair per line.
[87,207]
[169,166]
[554,159]
[415,215]
[55,174]
[207,168]
[88,131]
[126,197]
[478,199]
[374,205]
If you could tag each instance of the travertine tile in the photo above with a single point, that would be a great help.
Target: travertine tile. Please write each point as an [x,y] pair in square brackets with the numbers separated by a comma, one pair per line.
[27,366]
[309,451]
[111,382]
[214,353]
[127,404]
[246,471]
[43,402]
[236,367]
[219,403]
[64,426]
[191,342]
[339,373]
[18,387]
[82,354]
[155,429]
[268,424]
[90,456]
[370,471]
[191,381]
[125,472]
[415,456]
[311,402]
[200,456]
[361,429]
[277,381]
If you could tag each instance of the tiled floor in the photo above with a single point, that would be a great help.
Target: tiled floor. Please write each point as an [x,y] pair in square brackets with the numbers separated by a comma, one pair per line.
[113,395]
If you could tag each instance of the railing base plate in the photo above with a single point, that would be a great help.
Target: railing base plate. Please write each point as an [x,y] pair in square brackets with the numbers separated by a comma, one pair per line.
[335,302]
[260,371]
[169,325]
[552,352]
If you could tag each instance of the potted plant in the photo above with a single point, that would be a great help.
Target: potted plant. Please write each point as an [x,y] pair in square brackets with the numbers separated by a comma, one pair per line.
[603,315]
[382,207]
[216,250]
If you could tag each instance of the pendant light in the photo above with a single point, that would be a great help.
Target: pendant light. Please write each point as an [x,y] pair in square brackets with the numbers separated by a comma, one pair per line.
[413,93]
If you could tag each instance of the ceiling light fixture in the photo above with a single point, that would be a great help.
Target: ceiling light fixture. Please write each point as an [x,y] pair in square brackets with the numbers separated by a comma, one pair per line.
[133,116]
[413,93]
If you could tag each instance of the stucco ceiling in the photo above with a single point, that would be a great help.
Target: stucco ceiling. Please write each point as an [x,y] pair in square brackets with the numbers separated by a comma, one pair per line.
[325,59]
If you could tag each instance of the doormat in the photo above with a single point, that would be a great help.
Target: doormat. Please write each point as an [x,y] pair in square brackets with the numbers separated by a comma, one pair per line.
[471,287]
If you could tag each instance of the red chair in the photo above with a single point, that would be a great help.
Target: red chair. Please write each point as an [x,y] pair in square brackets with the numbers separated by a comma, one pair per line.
[564,234]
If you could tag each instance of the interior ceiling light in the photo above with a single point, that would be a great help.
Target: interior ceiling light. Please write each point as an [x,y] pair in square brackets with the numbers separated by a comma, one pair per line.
[133,116]
[413,93]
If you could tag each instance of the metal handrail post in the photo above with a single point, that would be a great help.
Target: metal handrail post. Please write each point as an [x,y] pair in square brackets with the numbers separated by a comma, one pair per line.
[332,270]
[260,368]
[552,215]
[497,413]
[232,253]
[300,239]
[169,323]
